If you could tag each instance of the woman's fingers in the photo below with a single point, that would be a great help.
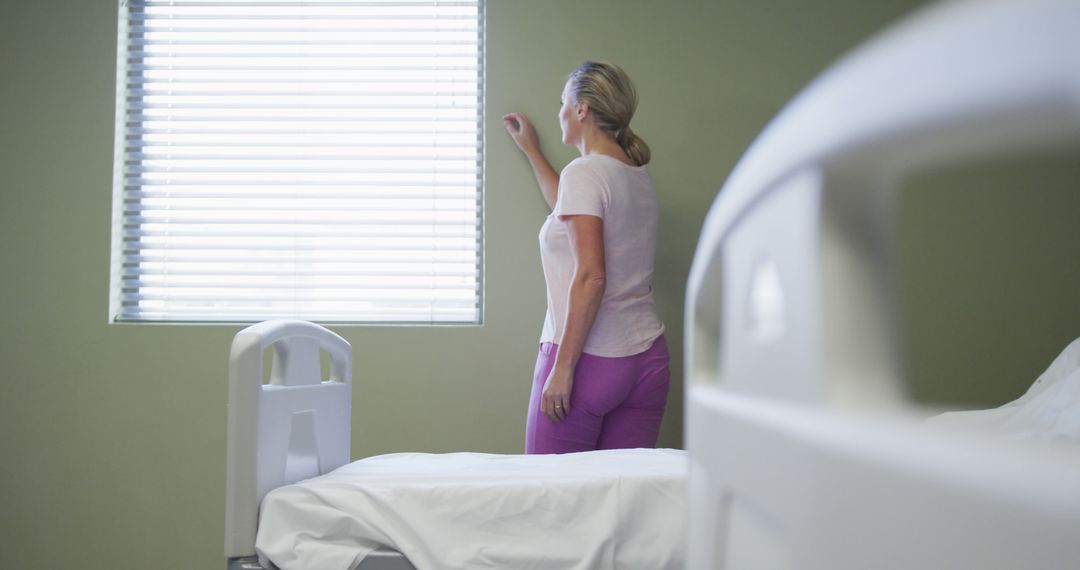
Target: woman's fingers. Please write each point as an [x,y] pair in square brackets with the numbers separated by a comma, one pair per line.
[516,117]
[555,398]
[521,130]
[555,407]
[512,123]
[562,408]
[516,124]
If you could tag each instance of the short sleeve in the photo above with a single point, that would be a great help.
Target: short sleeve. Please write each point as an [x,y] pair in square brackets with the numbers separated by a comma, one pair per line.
[581,191]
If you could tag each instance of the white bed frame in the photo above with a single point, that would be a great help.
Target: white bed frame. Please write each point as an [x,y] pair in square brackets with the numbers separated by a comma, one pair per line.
[804,452]
[295,427]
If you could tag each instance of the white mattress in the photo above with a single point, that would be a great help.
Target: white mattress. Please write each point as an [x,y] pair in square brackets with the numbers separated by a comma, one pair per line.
[622,509]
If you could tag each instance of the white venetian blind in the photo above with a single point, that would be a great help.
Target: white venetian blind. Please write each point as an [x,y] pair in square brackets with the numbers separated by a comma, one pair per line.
[287,159]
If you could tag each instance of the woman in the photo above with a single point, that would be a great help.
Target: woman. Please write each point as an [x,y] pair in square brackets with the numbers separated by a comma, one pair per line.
[601,377]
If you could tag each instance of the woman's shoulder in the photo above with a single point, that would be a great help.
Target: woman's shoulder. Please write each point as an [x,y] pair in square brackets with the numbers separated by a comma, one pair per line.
[583,168]
[605,165]
[581,163]
[598,165]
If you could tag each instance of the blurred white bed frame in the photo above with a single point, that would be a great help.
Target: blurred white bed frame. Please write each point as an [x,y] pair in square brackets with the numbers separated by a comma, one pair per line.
[804,452]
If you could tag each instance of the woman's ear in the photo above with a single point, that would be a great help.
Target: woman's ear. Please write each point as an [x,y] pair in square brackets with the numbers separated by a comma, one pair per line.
[582,110]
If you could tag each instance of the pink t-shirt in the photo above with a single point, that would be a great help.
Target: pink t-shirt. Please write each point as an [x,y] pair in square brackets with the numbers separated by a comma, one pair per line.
[624,197]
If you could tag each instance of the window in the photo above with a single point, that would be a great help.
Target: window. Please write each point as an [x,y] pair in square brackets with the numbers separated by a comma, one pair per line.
[290,159]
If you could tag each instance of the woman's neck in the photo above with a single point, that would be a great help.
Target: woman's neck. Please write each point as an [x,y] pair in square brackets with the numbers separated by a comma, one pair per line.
[596,141]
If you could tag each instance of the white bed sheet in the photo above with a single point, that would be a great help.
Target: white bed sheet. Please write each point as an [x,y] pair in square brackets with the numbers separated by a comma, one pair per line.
[1048,412]
[622,509]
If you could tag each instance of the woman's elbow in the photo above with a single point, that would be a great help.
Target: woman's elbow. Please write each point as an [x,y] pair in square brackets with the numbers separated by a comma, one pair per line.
[593,281]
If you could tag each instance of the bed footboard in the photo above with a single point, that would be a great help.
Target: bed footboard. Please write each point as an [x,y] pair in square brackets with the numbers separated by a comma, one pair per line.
[295,427]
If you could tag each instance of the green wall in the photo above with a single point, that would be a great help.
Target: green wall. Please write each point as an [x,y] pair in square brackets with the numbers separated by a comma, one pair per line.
[112,437]
[989,253]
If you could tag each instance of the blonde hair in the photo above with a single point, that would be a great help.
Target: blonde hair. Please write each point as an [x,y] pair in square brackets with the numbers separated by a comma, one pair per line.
[611,96]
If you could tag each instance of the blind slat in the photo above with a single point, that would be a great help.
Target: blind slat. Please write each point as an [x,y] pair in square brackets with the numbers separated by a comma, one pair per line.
[142,4]
[296,193]
[260,246]
[395,315]
[390,235]
[260,287]
[235,270]
[223,255]
[357,295]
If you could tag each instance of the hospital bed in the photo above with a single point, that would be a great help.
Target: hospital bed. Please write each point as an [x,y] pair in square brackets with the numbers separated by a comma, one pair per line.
[293,495]
[805,450]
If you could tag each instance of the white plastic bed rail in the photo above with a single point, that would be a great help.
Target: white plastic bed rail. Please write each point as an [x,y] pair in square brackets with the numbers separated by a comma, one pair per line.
[803,452]
[298,407]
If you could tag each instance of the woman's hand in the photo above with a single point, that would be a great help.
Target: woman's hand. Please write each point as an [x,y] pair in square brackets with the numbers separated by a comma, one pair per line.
[555,400]
[522,131]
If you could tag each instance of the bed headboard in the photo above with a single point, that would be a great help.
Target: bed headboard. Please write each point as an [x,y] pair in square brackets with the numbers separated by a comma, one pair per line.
[802,449]
[295,427]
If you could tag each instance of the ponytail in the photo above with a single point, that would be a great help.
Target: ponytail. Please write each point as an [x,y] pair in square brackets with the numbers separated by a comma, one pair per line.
[633,145]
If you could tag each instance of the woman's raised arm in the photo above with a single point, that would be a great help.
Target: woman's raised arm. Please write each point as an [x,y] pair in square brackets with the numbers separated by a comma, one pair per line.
[524,135]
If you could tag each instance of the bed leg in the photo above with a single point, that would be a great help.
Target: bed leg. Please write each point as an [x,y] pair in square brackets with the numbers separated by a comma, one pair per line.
[246,563]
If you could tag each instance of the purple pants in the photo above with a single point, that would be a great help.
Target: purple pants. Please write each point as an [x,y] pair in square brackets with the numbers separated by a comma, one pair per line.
[615,403]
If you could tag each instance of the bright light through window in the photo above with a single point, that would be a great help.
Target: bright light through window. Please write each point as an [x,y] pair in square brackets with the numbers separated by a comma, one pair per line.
[315,160]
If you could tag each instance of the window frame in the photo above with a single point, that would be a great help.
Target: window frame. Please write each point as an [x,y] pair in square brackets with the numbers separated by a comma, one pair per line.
[117,256]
